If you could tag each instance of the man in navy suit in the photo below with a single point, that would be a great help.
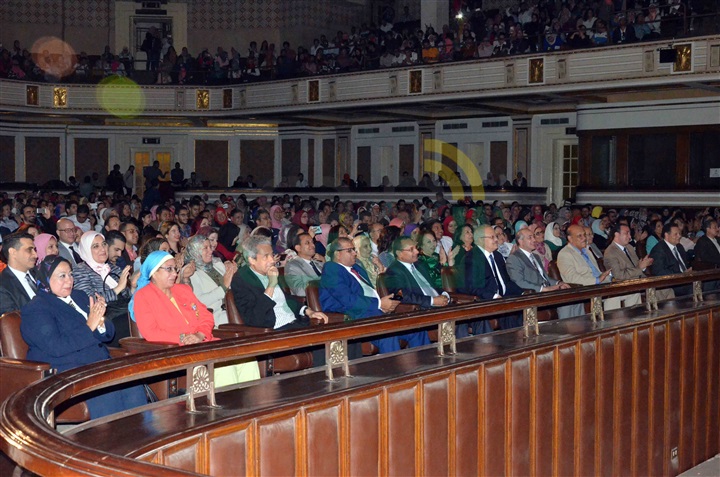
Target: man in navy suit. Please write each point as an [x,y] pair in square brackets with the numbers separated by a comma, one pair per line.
[17,283]
[669,257]
[345,288]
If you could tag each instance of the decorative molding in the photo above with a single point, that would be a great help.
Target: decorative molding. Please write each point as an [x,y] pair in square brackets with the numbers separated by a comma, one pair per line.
[32,93]
[536,70]
[60,97]
[227,98]
[510,74]
[683,61]
[393,85]
[313,91]
[202,99]
[437,80]
[562,68]
[415,82]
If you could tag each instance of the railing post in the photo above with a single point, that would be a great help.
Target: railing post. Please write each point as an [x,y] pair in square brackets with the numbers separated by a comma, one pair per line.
[446,335]
[202,382]
[697,292]
[530,319]
[651,302]
[596,309]
[336,354]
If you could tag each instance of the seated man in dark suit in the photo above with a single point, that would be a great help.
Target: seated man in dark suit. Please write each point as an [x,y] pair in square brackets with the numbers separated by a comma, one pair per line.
[345,288]
[402,275]
[707,251]
[482,273]
[17,283]
[669,257]
[259,299]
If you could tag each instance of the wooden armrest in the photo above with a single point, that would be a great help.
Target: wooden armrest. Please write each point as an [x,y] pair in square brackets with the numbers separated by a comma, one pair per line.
[140,345]
[248,330]
[528,291]
[118,352]
[332,318]
[406,308]
[462,298]
[225,334]
[24,364]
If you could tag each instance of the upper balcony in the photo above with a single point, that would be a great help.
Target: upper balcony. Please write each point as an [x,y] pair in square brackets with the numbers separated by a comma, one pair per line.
[526,84]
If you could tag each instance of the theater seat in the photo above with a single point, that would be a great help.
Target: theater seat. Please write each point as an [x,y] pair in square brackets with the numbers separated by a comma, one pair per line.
[449,284]
[553,271]
[16,372]
[383,291]
[312,294]
[274,364]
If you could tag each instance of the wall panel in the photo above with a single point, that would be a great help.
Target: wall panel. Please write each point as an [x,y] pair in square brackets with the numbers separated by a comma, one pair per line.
[402,429]
[323,440]
[291,151]
[257,158]
[277,445]
[363,435]
[436,426]
[494,408]
[586,415]
[7,158]
[211,162]
[91,155]
[467,409]
[42,159]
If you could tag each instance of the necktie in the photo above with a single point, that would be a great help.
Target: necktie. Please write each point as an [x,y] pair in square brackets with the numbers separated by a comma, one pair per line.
[357,274]
[628,256]
[424,285]
[31,282]
[680,261]
[546,282]
[76,256]
[315,268]
[593,268]
[496,273]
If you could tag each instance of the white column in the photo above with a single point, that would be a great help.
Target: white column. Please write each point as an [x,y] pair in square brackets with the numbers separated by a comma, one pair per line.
[435,13]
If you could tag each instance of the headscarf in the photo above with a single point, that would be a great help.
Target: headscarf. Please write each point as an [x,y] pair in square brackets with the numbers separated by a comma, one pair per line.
[550,236]
[193,253]
[446,224]
[205,231]
[297,219]
[151,265]
[102,269]
[195,226]
[396,222]
[409,229]
[45,270]
[41,243]
[595,226]
[217,212]
[520,224]
[276,224]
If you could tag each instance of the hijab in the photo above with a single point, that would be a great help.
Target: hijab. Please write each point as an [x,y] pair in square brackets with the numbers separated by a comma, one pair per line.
[297,219]
[550,236]
[322,237]
[41,243]
[595,226]
[102,269]
[217,213]
[446,224]
[276,224]
[151,265]
[193,253]
[45,270]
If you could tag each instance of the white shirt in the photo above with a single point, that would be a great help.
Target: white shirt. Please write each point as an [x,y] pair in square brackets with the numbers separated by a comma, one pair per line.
[71,302]
[283,314]
[498,277]
[23,281]
[368,291]
[85,226]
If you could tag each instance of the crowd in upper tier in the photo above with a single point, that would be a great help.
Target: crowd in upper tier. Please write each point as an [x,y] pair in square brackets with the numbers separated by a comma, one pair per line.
[397,40]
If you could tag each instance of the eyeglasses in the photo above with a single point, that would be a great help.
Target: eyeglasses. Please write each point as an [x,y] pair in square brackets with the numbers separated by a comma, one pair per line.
[408,249]
[68,230]
[351,250]
[169,269]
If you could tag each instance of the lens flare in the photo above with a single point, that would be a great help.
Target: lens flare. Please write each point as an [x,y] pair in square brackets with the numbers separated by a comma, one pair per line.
[120,96]
[54,57]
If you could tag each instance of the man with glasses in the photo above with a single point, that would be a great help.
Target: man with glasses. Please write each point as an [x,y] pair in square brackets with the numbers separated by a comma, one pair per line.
[345,288]
[67,248]
[402,276]
[482,273]
[182,217]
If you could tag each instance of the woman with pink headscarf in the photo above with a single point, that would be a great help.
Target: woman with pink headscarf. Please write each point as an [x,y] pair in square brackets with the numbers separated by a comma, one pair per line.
[45,244]
[541,249]
[276,216]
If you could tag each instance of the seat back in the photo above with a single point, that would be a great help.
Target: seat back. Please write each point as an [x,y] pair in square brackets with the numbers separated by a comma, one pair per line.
[12,344]
[312,294]
[554,271]
[449,279]
[233,313]
[134,331]
[381,286]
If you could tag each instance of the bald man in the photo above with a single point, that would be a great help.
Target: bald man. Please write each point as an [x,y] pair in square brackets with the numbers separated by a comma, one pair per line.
[578,266]
[67,248]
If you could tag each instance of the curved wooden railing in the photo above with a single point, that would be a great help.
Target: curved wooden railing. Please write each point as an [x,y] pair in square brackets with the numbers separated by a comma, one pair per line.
[26,430]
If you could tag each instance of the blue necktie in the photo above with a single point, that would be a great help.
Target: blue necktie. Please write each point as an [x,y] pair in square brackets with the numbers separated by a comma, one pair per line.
[593,269]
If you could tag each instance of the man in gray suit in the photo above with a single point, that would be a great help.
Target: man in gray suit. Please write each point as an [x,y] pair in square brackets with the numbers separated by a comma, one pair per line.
[304,268]
[526,270]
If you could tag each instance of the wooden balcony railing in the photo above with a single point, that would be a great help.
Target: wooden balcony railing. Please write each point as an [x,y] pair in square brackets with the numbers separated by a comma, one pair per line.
[635,393]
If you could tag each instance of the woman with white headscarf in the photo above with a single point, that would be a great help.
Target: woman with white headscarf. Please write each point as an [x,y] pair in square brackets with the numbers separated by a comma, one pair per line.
[97,277]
